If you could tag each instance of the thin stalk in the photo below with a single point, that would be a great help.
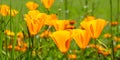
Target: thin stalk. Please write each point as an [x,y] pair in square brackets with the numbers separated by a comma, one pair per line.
[83,56]
[48,12]
[12,54]
[96,49]
[1,36]
[118,16]
[29,49]
[86,8]
[66,9]
[111,30]
[93,9]
[10,16]
[13,46]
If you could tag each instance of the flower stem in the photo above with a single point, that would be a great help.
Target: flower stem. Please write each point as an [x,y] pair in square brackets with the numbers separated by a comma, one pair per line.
[93,9]
[86,8]
[117,17]
[48,12]
[66,9]
[83,56]
[111,30]
[96,50]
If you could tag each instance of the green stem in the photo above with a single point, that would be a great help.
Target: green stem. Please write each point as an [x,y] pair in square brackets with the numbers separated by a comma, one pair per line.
[66,9]
[2,35]
[83,56]
[117,17]
[48,12]
[86,8]
[96,50]
[111,30]
[93,9]
[29,49]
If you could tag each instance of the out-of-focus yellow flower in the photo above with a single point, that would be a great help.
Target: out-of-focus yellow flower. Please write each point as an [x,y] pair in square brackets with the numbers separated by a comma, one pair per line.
[9,33]
[116,48]
[115,23]
[50,19]
[95,27]
[23,49]
[101,49]
[92,46]
[72,56]
[116,38]
[81,37]
[32,5]
[4,9]
[60,24]
[47,3]
[106,53]
[45,34]
[35,20]
[20,35]
[62,39]
[13,12]
[107,35]
[17,48]
[89,18]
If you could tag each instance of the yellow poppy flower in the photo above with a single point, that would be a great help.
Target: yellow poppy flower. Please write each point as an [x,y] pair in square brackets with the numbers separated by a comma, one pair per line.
[87,19]
[50,19]
[47,3]
[117,47]
[72,56]
[45,34]
[81,37]
[107,35]
[35,20]
[20,35]
[95,27]
[116,38]
[62,40]
[13,12]
[60,24]
[4,9]
[9,33]
[32,5]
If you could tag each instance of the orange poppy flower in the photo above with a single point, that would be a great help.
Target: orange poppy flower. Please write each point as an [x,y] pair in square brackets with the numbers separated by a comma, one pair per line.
[115,23]
[62,40]
[47,3]
[60,24]
[50,19]
[107,35]
[35,20]
[95,27]
[72,56]
[116,38]
[81,37]
[32,5]
[117,47]
[45,34]
[4,9]
[20,35]
[106,53]
[87,19]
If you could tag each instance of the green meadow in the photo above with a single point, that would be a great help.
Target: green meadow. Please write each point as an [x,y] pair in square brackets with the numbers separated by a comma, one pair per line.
[34,47]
